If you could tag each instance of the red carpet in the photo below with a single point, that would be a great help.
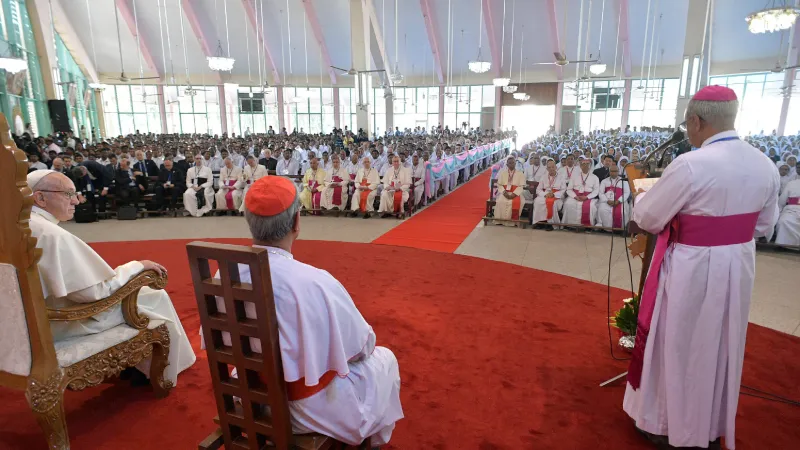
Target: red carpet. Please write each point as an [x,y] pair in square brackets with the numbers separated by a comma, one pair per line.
[497,357]
[444,225]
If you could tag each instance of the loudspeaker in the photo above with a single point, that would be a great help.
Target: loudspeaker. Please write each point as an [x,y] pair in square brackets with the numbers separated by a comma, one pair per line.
[84,213]
[126,213]
[59,117]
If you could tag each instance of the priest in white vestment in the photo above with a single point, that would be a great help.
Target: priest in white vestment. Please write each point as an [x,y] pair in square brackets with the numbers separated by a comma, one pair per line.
[686,367]
[549,194]
[339,382]
[334,193]
[252,172]
[366,183]
[198,198]
[228,181]
[534,171]
[396,183]
[580,206]
[613,210]
[73,274]
[788,229]
[313,183]
[417,178]
[510,185]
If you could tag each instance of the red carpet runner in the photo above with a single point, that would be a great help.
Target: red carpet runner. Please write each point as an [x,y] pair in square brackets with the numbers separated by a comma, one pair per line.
[482,368]
[444,225]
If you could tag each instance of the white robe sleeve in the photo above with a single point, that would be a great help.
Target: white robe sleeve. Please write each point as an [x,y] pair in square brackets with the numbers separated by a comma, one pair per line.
[122,275]
[771,212]
[601,197]
[652,212]
[595,190]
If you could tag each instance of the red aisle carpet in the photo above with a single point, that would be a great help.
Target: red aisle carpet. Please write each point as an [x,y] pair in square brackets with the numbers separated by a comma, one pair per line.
[492,356]
[444,225]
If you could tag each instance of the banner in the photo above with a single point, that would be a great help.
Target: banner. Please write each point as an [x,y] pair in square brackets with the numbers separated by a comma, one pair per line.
[452,164]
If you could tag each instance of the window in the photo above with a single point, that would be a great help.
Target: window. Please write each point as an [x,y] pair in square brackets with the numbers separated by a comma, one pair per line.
[468,106]
[653,103]
[309,110]
[194,110]
[695,74]
[129,108]
[347,108]
[684,76]
[760,101]
[594,105]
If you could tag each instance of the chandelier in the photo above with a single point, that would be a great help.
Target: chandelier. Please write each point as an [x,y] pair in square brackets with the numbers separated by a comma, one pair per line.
[479,66]
[521,96]
[220,63]
[597,68]
[501,82]
[396,76]
[509,89]
[772,19]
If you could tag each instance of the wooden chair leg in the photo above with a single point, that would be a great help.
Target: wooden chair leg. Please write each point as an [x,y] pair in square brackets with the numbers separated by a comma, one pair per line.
[213,441]
[158,363]
[47,403]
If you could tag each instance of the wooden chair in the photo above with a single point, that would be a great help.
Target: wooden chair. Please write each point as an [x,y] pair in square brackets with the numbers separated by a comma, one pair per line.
[262,418]
[30,361]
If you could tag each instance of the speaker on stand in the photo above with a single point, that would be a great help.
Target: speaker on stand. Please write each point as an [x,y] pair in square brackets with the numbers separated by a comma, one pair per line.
[59,117]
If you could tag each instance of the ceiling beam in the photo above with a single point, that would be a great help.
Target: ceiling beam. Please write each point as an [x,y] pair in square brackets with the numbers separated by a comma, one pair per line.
[494,46]
[250,11]
[311,15]
[197,27]
[555,37]
[126,12]
[377,46]
[624,36]
[433,39]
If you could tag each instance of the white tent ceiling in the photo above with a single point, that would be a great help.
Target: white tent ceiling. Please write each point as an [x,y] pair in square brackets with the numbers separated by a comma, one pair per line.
[179,51]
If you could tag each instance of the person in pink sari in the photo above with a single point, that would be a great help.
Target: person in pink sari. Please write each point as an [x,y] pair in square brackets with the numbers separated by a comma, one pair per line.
[686,368]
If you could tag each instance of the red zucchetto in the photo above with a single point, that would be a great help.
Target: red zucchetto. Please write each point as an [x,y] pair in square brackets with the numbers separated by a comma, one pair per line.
[715,93]
[270,196]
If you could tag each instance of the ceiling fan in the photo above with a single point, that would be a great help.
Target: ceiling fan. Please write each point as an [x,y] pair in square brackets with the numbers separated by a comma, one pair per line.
[780,68]
[122,77]
[353,72]
[561,60]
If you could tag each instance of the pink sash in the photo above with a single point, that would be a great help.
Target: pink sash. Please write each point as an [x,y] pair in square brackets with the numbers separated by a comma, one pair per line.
[586,208]
[315,196]
[697,231]
[617,210]
[229,194]
[793,201]
[337,191]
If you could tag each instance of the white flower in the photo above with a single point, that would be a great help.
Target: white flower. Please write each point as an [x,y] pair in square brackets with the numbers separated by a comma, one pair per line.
[627,300]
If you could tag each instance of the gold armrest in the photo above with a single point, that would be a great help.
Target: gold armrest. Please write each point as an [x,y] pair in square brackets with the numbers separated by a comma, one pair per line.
[126,295]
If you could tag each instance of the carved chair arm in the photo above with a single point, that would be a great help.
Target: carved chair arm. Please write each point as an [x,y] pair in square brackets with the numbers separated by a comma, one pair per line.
[126,296]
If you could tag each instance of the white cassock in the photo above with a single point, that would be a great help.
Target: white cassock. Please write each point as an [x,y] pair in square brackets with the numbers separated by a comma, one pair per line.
[321,330]
[246,179]
[394,181]
[579,212]
[228,181]
[514,182]
[338,176]
[194,177]
[691,367]
[72,274]
[418,180]
[289,167]
[542,212]
[788,229]
[568,172]
[613,190]
[367,180]
[532,174]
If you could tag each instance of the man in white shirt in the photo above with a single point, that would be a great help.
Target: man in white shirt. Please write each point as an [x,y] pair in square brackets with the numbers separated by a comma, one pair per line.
[366,183]
[580,207]
[533,174]
[395,183]
[417,179]
[199,196]
[251,173]
[510,184]
[549,193]
[72,273]
[568,170]
[613,209]
[228,181]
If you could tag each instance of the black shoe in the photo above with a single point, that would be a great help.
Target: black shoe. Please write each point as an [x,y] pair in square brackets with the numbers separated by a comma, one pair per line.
[385,215]
[366,215]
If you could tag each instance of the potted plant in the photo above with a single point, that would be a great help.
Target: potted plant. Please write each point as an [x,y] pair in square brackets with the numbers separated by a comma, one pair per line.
[625,321]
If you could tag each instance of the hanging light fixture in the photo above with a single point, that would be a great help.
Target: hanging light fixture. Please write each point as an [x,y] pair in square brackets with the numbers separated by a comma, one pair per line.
[521,96]
[219,62]
[778,17]
[597,68]
[396,76]
[479,65]
[510,89]
[502,81]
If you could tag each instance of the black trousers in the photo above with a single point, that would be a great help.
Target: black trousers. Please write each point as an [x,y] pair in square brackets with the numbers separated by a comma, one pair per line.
[127,195]
[97,201]
[171,192]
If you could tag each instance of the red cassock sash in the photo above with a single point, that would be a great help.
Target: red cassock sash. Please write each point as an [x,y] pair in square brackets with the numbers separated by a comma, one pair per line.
[550,202]
[362,204]
[617,211]
[793,201]
[315,196]
[516,202]
[697,231]
[586,208]
[398,198]
[337,190]
[229,194]
[297,390]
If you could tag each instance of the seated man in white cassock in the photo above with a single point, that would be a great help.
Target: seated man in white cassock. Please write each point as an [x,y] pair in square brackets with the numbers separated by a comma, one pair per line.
[510,184]
[334,195]
[72,273]
[417,178]
[366,183]
[252,172]
[198,198]
[580,207]
[533,174]
[613,209]
[395,182]
[228,181]
[549,194]
[338,382]
[788,229]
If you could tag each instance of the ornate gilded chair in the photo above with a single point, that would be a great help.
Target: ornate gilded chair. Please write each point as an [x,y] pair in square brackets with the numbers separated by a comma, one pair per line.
[30,361]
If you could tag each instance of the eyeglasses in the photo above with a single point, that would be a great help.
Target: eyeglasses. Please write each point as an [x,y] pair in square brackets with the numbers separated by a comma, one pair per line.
[69,194]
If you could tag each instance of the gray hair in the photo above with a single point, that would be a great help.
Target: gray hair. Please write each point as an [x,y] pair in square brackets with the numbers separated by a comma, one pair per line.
[272,228]
[720,115]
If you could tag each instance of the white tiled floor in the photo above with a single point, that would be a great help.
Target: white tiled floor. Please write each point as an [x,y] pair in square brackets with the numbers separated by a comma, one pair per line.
[775,304]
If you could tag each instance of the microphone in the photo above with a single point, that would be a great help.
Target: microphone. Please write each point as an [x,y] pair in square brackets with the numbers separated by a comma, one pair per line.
[677,137]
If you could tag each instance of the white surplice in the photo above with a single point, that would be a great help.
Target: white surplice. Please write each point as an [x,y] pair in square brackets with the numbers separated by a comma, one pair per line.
[605,212]
[228,181]
[418,172]
[326,199]
[372,180]
[320,329]
[692,367]
[555,185]
[190,195]
[399,179]
[72,273]
[788,229]
[535,174]
[514,183]
[573,209]
[246,179]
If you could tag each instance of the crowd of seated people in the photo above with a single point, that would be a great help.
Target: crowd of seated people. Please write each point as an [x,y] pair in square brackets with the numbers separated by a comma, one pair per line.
[579,180]
[198,175]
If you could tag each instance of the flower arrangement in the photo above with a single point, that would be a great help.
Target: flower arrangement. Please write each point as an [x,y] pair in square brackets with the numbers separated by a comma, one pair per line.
[625,320]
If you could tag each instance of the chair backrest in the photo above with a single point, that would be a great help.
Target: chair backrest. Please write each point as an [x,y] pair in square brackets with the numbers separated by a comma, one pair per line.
[26,343]
[260,381]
